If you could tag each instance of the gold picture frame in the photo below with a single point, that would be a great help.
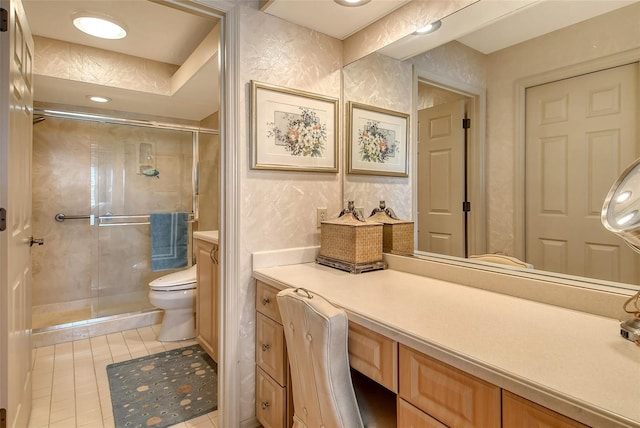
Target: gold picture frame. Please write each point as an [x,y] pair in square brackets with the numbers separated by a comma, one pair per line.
[293,130]
[377,141]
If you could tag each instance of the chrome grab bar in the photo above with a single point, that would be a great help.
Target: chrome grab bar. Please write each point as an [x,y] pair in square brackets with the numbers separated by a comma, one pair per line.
[113,220]
[63,217]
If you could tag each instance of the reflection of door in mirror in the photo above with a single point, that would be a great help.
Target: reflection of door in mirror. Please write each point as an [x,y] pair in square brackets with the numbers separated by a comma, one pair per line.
[441,186]
[442,225]
[580,133]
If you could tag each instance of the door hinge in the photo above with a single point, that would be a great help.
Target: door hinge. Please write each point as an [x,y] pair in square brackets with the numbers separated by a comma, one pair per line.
[4,20]
[466,123]
[3,219]
[466,206]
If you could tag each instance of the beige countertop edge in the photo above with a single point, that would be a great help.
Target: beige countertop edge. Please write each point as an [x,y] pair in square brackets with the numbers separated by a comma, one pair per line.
[563,402]
[207,235]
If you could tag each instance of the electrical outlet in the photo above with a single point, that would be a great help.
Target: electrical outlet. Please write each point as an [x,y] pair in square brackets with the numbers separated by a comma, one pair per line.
[321,215]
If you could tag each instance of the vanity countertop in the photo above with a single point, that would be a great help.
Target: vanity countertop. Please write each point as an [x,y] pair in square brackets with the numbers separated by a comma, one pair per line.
[207,235]
[572,362]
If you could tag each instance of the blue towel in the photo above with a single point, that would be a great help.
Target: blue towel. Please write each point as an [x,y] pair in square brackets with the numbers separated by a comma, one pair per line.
[169,241]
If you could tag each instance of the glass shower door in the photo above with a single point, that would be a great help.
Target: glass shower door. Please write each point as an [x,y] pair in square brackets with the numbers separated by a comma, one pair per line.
[137,171]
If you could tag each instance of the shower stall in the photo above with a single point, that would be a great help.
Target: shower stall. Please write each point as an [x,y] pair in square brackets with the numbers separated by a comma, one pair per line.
[95,181]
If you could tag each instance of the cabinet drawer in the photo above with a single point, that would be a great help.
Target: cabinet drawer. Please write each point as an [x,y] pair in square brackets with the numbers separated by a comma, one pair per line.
[266,301]
[271,348]
[270,401]
[412,417]
[450,395]
[374,355]
[519,412]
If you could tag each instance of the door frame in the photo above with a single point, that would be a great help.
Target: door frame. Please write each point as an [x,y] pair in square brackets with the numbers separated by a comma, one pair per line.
[229,186]
[476,177]
[520,88]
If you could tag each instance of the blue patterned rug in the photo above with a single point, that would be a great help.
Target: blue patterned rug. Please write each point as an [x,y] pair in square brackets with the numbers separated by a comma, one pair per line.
[163,389]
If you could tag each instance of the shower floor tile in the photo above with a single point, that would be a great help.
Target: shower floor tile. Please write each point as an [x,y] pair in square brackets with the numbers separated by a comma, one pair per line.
[72,383]
[50,315]
[48,319]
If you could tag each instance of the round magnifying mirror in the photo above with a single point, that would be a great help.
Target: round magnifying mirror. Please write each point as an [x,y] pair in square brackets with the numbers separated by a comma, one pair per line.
[621,209]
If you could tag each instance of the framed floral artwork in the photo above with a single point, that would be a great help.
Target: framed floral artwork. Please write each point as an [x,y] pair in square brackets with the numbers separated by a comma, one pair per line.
[377,141]
[293,130]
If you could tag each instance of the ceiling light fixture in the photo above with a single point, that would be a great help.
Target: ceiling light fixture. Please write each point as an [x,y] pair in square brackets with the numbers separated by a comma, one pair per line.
[97,25]
[98,99]
[352,3]
[428,28]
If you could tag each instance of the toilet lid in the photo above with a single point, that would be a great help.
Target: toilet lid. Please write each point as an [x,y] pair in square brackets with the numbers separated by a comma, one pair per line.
[180,280]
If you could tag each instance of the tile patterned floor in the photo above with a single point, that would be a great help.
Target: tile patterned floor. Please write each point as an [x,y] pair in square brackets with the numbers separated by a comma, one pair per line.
[70,384]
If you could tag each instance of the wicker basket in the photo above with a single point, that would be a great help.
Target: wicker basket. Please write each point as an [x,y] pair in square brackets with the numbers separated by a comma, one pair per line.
[351,244]
[397,236]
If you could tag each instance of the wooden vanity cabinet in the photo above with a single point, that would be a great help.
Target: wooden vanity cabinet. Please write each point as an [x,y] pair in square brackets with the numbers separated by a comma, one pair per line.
[423,391]
[411,417]
[274,401]
[519,412]
[451,396]
[374,355]
[207,297]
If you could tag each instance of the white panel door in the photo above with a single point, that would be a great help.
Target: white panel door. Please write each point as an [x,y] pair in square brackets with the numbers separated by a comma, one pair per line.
[580,134]
[16,123]
[441,166]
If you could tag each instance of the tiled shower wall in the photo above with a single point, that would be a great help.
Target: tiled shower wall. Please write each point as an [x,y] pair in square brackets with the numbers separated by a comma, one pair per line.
[79,261]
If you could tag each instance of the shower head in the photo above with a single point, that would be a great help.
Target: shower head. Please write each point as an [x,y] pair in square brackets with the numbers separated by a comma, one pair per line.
[37,119]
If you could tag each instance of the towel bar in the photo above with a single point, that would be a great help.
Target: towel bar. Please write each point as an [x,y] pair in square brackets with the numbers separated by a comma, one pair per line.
[114,220]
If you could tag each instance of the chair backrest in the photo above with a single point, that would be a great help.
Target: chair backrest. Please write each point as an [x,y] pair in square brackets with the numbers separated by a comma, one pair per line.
[316,336]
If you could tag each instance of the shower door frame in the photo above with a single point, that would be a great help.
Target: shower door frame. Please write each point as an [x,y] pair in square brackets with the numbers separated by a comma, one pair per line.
[96,219]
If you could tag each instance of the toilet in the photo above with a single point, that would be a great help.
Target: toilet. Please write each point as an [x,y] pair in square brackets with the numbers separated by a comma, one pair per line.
[176,294]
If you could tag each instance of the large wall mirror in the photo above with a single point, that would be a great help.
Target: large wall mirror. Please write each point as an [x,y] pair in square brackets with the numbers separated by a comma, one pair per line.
[552,89]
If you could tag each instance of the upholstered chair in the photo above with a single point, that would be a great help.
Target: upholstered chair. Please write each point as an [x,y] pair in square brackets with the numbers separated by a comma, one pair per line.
[316,335]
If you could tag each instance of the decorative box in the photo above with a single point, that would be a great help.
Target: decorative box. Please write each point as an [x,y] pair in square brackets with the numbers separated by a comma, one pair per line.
[397,235]
[351,243]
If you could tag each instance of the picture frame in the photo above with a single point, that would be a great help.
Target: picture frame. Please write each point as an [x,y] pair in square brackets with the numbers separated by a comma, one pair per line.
[377,141]
[293,130]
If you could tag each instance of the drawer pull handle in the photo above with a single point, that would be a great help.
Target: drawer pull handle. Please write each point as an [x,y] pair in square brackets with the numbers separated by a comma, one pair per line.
[266,301]
[265,347]
[265,405]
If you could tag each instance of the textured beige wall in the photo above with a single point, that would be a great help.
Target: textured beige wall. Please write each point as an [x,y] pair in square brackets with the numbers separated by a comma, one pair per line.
[429,96]
[56,58]
[398,24]
[67,156]
[278,208]
[383,82]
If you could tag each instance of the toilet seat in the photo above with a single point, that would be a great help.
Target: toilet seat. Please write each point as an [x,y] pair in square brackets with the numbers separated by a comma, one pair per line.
[182,280]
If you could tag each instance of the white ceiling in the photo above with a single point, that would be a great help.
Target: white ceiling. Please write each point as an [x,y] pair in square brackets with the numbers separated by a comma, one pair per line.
[486,25]
[328,17]
[491,25]
[155,32]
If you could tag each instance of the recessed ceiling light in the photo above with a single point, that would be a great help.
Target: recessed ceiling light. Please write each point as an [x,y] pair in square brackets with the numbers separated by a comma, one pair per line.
[98,99]
[428,28]
[352,3]
[98,26]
